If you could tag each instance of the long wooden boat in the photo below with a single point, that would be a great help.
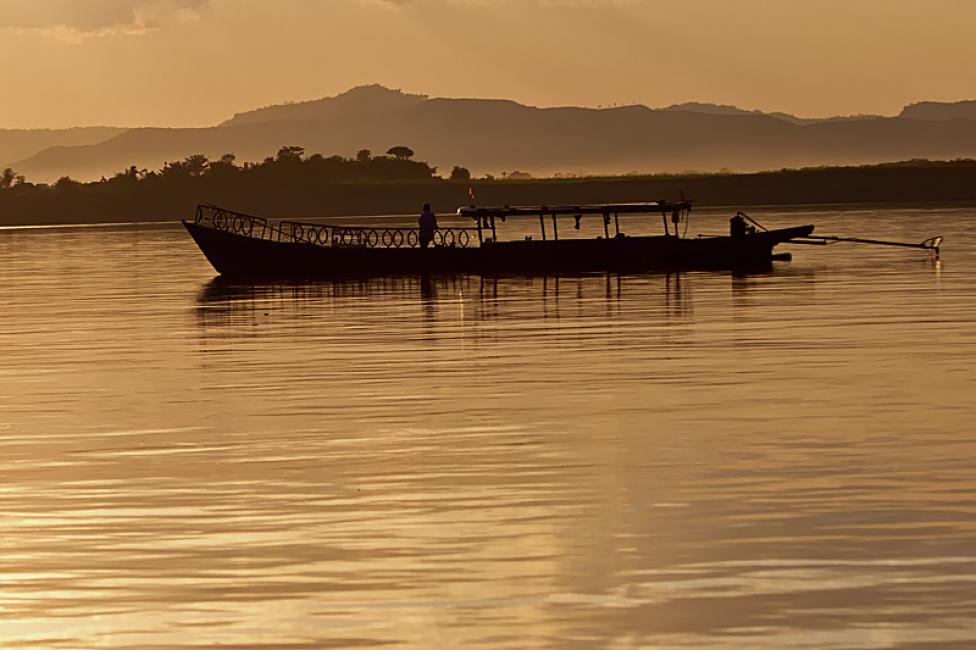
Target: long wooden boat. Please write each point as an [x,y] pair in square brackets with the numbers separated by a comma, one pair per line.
[245,246]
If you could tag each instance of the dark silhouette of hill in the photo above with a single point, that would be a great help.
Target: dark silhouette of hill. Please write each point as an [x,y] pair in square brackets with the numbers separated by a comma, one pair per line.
[498,135]
[725,109]
[965,110]
[17,144]
[363,100]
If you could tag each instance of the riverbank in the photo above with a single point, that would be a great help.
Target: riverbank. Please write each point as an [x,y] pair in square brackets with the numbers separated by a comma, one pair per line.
[897,184]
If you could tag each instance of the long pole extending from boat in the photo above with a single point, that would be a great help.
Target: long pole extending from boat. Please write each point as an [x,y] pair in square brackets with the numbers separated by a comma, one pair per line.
[931,244]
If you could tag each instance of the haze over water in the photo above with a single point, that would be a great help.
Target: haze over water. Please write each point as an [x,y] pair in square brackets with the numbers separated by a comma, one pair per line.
[686,460]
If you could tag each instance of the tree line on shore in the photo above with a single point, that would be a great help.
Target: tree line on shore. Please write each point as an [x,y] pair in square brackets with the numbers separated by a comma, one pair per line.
[291,184]
[279,182]
[289,165]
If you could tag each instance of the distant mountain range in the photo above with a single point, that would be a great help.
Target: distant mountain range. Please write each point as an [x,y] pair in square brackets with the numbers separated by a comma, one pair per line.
[965,110]
[491,136]
[16,144]
[725,109]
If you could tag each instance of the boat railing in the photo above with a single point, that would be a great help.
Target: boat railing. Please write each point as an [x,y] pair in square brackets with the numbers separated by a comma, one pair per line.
[328,235]
[234,222]
[361,237]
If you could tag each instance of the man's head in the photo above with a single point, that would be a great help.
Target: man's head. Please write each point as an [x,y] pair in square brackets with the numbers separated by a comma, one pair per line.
[426,207]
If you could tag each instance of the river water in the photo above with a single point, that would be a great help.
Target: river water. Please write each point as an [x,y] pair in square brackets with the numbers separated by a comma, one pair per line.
[692,460]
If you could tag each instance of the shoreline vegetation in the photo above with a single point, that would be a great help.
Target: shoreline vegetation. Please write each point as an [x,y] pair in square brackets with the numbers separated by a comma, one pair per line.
[292,185]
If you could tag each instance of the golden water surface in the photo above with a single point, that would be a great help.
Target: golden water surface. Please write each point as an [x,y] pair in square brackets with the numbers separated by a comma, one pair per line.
[694,460]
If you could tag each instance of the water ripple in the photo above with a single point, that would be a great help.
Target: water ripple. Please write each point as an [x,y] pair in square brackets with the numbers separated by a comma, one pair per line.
[689,460]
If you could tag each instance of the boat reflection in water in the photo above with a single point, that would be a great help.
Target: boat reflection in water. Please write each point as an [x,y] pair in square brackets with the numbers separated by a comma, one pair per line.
[668,295]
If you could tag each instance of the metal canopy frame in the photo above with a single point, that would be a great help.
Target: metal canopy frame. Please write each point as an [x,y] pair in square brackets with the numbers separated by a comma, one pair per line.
[485,216]
[602,208]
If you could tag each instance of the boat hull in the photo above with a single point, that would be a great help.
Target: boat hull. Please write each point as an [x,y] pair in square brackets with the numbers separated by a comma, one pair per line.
[240,256]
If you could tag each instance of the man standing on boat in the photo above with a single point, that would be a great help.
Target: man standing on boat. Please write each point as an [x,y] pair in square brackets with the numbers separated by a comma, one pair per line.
[428,224]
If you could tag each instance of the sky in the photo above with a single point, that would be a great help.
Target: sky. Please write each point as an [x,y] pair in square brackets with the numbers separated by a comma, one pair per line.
[196,62]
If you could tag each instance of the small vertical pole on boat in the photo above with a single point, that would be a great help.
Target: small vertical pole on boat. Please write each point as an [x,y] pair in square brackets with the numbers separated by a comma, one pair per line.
[616,221]
[494,235]
[542,224]
[606,224]
[555,230]
[667,228]
[477,220]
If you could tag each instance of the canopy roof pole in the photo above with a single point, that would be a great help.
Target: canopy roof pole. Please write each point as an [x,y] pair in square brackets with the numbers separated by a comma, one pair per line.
[577,211]
[555,229]
[542,224]
[494,235]
[606,208]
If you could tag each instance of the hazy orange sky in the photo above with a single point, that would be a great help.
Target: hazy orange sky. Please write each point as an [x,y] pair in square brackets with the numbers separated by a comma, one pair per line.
[195,62]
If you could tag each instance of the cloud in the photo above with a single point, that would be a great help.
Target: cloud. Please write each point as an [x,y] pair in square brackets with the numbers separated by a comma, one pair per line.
[544,3]
[389,4]
[76,20]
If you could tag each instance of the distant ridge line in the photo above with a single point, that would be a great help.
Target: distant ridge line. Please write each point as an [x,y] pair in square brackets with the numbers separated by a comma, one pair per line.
[500,135]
